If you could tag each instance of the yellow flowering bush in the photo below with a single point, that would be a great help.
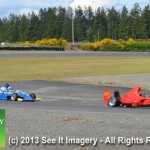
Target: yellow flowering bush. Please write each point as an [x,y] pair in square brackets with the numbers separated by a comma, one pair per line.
[96,45]
[86,46]
[62,42]
[107,44]
[131,41]
[27,43]
[52,42]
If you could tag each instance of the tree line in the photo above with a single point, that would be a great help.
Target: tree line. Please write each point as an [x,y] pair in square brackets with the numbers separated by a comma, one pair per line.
[84,23]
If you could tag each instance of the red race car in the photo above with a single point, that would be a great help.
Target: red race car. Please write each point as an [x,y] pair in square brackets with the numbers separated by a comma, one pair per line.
[133,98]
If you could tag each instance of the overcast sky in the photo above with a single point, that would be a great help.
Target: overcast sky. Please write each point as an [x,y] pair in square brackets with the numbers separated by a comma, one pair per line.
[25,6]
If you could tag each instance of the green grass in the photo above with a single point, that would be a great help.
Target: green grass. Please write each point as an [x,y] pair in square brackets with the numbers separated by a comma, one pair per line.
[51,68]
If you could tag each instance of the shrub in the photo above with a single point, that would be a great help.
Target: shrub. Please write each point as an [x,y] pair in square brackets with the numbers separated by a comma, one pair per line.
[143,40]
[27,43]
[52,42]
[107,42]
[131,41]
[62,42]
[86,46]
[113,45]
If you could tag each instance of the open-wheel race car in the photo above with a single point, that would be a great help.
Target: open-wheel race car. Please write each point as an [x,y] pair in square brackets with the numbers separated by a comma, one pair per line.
[133,98]
[7,93]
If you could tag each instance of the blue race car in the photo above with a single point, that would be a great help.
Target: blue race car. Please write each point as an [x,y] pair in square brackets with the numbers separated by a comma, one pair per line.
[7,93]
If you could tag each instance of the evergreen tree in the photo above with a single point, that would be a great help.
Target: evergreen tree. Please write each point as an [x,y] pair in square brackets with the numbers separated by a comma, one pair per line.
[34,24]
[61,13]
[23,28]
[100,24]
[113,23]
[136,24]
[5,29]
[1,27]
[103,24]
[79,25]
[42,23]
[50,23]
[146,22]
[67,25]
[88,25]
[124,26]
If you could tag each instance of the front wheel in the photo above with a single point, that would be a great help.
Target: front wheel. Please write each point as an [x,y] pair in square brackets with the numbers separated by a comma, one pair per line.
[113,102]
[32,95]
[14,97]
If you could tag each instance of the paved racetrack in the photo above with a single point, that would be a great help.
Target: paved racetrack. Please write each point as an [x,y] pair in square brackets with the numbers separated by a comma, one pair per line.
[67,53]
[68,96]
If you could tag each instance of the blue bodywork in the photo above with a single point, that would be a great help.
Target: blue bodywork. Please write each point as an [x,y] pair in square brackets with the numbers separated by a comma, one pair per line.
[6,95]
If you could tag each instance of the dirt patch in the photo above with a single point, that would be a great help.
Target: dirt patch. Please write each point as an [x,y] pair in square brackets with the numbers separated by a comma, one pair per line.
[124,80]
[72,119]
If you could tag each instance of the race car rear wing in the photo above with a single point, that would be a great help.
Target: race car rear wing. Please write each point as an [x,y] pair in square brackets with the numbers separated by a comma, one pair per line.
[107,95]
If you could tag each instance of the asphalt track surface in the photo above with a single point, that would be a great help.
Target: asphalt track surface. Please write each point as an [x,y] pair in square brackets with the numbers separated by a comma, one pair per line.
[68,53]
[69,97]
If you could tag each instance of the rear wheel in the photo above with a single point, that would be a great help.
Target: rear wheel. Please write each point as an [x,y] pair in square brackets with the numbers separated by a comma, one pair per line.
[32,95]
[113,102]
[143,95]
[14,97]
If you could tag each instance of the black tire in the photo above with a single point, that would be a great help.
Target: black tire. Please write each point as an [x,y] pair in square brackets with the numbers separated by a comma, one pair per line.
[113,102]
[14,97]
[32,95]
[143,95]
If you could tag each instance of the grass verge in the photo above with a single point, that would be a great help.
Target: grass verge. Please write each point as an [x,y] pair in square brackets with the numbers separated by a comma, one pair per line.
[52,68]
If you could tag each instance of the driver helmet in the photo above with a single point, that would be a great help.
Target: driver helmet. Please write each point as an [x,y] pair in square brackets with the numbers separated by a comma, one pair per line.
[6,85]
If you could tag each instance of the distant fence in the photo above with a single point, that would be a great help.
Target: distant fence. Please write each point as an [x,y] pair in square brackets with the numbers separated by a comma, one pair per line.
[33,48]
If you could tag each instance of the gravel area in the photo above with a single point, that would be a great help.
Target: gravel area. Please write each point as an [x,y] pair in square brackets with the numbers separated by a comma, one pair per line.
[55,124]
[124,80]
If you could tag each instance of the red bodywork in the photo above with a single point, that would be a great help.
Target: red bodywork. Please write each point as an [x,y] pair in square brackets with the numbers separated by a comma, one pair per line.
[132,98]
